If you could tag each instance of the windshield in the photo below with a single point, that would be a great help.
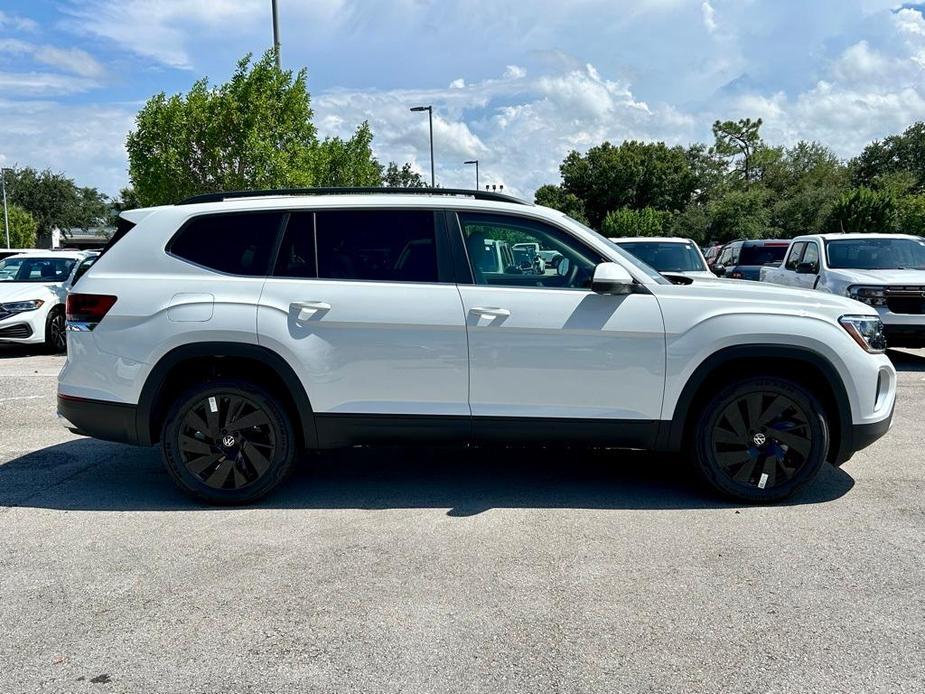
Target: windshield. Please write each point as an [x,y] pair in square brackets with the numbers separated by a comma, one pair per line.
[666,256]
[762,255]
[651,272]
[876,254]
[35,269]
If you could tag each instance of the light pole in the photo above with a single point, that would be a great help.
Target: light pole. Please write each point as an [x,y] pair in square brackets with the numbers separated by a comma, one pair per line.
[476,162]
[6,215]
[276,33]
[430,118]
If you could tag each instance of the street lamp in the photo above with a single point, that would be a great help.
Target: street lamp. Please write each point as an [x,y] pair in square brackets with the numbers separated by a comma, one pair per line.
[276,33]
[6,215]
[476,162]
[430,118]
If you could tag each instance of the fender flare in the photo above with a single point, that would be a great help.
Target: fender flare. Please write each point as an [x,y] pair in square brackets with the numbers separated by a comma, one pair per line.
[673,433]
[158,375]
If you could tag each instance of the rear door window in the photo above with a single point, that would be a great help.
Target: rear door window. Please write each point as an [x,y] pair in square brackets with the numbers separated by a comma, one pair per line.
[381,245]
[236,244]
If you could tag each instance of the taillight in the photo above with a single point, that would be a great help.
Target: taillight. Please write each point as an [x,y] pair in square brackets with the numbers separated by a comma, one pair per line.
[84,311]
[736,275]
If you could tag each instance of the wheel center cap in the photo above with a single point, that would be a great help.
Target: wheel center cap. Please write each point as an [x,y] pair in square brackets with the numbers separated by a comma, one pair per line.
[228,440]
[759,439]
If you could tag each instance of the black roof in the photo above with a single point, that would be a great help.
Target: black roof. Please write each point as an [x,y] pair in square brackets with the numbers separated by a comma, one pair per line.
[457,192]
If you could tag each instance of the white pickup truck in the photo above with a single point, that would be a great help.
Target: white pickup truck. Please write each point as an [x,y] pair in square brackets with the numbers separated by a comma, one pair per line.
[886,271]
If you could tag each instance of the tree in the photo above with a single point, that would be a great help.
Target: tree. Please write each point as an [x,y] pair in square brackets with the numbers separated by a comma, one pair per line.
[127,200]
[629,222]
[896,153]
[693,223]
[739,143]
[54,201]
[553,196]
[863,210]
[740,214]
[910,215]
[23,228]
[405,177]
[633,174]
[255,131]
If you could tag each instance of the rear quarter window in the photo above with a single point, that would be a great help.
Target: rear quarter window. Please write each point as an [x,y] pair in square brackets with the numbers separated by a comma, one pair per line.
[235,244]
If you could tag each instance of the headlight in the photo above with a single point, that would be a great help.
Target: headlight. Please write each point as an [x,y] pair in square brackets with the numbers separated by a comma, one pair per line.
[21,306]
[867,331]
[873,296]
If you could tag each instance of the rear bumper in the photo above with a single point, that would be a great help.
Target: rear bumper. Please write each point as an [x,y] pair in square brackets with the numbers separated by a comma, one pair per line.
[860,436]
[109,421]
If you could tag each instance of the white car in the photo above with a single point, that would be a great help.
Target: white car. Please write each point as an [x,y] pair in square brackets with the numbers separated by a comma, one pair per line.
[668,255]
[238,329]
[33,287]
[885,271]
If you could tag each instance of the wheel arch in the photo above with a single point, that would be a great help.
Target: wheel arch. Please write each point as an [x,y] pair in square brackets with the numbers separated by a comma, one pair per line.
[783,360]
[209,360]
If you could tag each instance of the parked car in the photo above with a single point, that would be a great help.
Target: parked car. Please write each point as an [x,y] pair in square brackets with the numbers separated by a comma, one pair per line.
[33,287]
[236,329]
[7,252]
[743,260]
[673,256]
[711,254]
[885,271]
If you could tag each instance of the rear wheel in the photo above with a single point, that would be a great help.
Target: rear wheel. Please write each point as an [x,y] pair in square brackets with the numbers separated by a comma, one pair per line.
[227,442]
[55,336]
[761,439]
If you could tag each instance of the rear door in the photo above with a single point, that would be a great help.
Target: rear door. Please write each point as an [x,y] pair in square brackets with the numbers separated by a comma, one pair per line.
[362,304]
[546,353]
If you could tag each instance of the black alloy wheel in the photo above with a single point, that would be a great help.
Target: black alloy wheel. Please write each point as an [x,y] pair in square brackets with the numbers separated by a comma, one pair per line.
[55,335]
[228,442]
[762,439]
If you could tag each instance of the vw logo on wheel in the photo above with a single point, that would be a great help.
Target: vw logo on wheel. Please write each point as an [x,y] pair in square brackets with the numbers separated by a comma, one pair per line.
[228,440]
[759,439]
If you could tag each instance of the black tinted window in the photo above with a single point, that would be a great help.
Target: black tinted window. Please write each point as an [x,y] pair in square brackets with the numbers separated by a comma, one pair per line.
[762,255]
[386,245]
[297,252]
[239,244]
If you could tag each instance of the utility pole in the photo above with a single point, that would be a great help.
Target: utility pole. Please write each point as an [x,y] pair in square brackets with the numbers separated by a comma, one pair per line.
[430,117]
[276,33]
[476,162]
[6,215]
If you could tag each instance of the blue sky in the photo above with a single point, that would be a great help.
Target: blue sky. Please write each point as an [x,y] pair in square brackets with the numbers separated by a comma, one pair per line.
[516,85]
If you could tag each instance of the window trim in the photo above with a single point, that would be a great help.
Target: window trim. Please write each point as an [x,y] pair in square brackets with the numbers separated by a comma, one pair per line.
[504,213]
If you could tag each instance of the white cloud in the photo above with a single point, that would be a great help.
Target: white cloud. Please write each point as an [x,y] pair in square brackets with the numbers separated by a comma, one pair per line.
[12,21]
[42,84]
[709,16]
[73,60]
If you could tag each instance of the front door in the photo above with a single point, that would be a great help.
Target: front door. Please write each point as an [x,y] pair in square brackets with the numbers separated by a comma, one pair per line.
[543,346]
[357,304]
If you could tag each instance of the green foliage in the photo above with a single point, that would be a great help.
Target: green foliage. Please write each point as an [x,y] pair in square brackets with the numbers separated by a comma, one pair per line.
[629,222]
[53,200]
[633,174]
[405,177]
[555,197]
[337,162]
[863,210]
[897,153]
[23,228]
[254,131]
[127,200]
[910,215]
[739,142]
[693,223]
[740,214]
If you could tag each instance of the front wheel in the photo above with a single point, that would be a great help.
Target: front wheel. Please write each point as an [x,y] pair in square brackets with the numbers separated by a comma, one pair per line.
[761,439]
[227,442]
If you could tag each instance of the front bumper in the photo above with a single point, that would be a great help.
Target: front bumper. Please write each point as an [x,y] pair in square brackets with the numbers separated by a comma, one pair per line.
[860,436]
[109,421]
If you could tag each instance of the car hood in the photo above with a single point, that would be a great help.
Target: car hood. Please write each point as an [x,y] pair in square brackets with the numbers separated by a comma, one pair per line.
[25,291]
[775,297]
[878,277]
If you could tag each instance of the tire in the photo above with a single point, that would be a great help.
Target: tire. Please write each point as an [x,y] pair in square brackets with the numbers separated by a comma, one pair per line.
[212,460]
[55,336]
[756,427]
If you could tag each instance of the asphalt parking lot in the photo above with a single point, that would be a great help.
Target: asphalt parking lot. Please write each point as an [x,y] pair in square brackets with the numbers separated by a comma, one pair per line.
[453,571]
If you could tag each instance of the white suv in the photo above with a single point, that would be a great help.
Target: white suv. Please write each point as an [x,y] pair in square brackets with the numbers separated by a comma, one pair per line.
[239,329]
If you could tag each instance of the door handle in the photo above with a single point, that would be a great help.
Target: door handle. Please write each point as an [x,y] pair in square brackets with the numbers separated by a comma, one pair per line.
[307,309]
[490,312]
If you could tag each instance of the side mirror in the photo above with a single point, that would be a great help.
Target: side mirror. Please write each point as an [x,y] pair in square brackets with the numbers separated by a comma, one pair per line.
[807,269]
[719,270]
[611,278]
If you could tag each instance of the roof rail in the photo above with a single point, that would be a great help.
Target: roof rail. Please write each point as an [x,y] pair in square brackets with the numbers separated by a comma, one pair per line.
[476,194]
